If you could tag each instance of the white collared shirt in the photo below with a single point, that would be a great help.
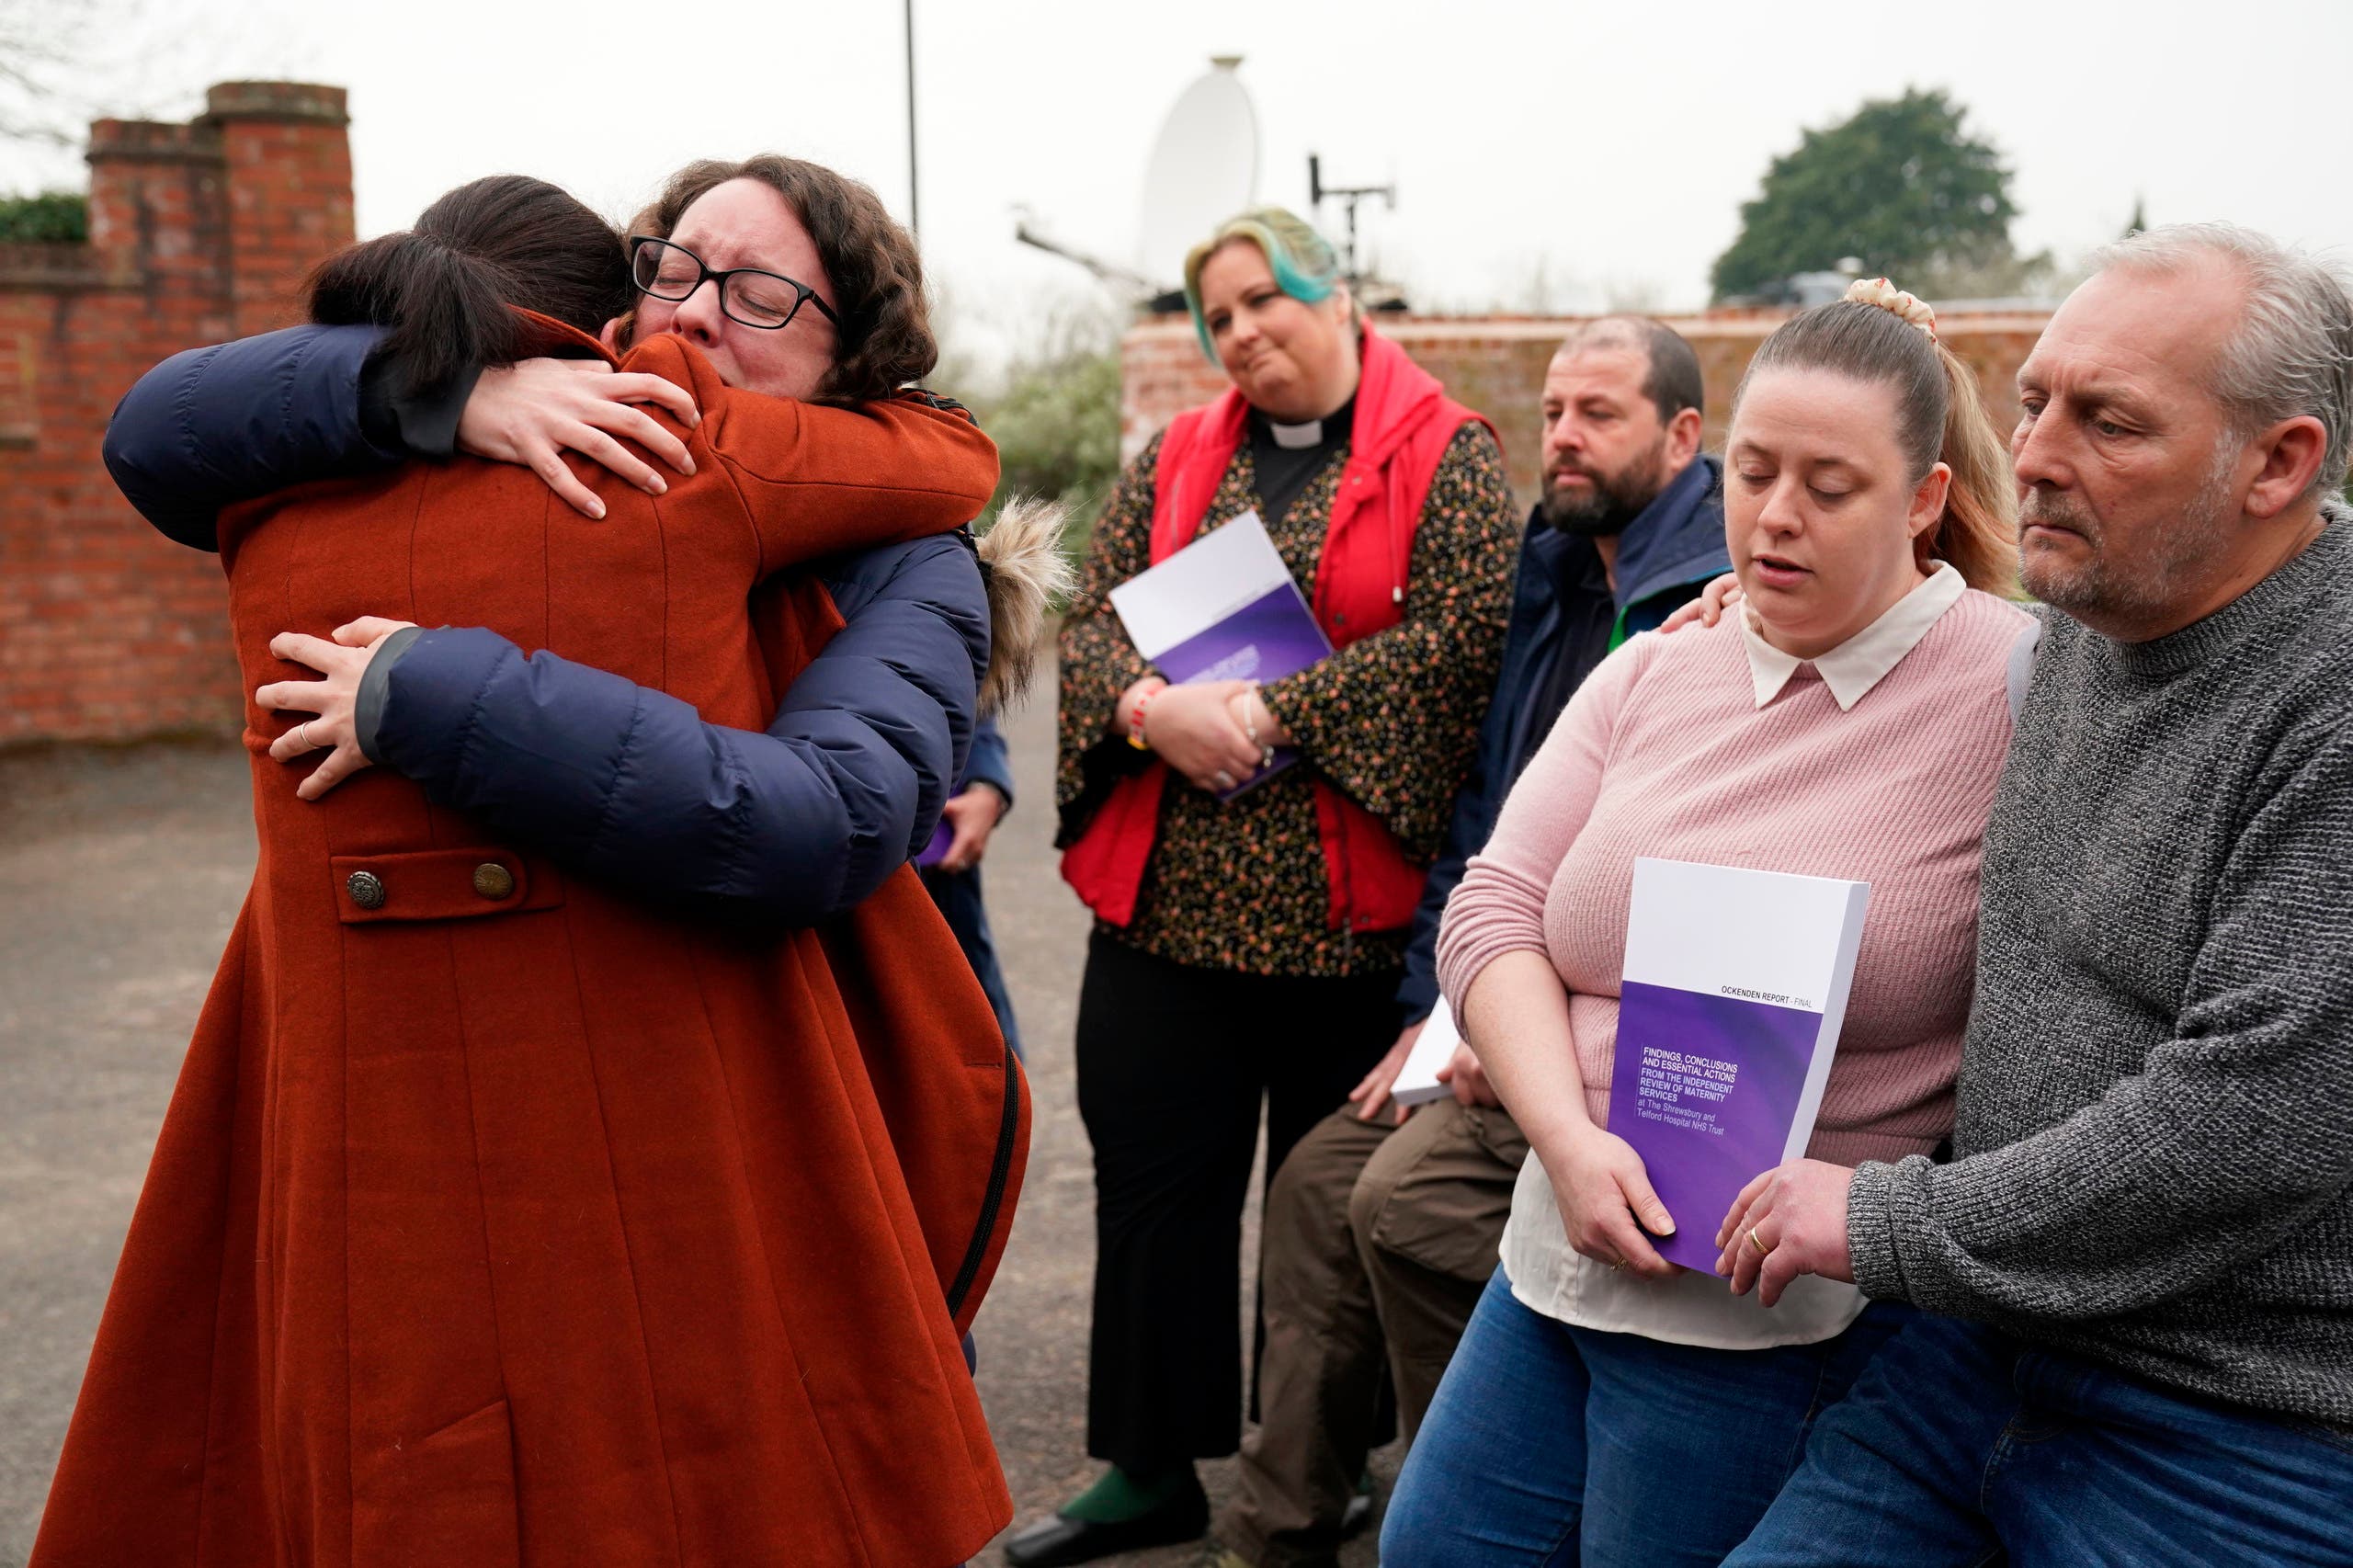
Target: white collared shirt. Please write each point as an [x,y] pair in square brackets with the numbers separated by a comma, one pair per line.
[1862,661]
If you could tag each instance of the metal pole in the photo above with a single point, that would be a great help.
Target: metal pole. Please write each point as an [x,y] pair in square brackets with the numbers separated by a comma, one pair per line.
[914,196]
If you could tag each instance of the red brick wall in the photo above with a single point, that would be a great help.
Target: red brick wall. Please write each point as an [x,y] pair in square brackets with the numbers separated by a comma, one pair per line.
[197,233]
[1495,365]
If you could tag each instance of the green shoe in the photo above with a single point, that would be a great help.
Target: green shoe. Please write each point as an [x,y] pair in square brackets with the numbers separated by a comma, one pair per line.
[1118,1513]
[1359,1513]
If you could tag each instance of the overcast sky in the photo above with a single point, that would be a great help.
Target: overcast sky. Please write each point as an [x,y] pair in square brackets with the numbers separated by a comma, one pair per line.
[1610,145]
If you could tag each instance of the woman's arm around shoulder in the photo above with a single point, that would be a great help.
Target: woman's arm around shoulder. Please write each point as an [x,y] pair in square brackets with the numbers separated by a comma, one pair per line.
[212,426]
[822,480]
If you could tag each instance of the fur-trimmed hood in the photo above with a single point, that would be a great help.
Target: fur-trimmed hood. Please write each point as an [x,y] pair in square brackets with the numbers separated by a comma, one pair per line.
[1022,556]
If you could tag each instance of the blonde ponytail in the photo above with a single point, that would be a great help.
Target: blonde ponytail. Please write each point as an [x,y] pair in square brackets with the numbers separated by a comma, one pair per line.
[1978,535]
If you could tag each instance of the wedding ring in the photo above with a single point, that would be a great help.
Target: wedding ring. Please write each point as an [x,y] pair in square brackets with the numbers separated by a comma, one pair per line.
[302,734]
[1756,1242]
[1224,779]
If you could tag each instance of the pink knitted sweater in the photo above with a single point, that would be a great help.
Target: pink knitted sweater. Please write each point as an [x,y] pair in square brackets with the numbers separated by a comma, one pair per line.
[1665,752]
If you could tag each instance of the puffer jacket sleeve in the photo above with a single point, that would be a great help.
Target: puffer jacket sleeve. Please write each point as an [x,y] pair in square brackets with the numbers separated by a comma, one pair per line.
[990,763]
[629,786]
[212,427]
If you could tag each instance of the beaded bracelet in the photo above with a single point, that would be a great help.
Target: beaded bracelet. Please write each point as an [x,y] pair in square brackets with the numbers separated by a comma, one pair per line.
[1136,712]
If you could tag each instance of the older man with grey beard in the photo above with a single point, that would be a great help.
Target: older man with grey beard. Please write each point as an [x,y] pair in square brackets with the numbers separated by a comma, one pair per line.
[2144,1244]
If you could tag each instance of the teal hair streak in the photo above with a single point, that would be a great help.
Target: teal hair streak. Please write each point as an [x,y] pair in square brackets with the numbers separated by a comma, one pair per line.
[1301,261]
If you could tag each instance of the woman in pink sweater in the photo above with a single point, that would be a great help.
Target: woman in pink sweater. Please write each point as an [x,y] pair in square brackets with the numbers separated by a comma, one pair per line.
[1606,1407]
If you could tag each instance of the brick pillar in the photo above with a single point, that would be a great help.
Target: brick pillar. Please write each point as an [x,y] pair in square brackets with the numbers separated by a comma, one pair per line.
[197,233]
[159,219]
[287,156]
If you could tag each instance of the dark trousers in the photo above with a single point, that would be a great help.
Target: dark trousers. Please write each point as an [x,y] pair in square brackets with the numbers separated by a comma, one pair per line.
[1174,1065]
[958,894]
[1376,1236]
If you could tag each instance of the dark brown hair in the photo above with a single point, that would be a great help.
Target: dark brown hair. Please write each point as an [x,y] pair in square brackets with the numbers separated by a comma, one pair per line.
[1671,377]
[445,287]
[1940,417]
[884,340]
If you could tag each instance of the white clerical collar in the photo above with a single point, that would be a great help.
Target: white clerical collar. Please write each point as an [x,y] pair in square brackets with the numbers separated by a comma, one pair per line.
[1862,661]
[1297,437]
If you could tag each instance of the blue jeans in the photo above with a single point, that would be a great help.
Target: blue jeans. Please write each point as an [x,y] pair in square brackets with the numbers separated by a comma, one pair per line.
[1960,1445]
[1553,1445]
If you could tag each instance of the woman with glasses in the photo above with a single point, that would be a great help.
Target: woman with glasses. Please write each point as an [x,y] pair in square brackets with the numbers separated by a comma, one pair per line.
[503,1217]
[820,302]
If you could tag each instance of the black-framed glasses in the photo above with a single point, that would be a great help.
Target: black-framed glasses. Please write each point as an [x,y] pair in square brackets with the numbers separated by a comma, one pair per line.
[765,301]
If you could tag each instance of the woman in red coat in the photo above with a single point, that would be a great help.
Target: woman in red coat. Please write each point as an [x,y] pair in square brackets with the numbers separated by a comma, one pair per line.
[499,1219]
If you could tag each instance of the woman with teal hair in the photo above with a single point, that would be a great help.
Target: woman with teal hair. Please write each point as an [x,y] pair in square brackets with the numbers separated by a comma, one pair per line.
[1248,947]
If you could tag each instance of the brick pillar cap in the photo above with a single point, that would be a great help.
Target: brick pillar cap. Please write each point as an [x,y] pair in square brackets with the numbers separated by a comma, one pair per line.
[151,139]
[277,100]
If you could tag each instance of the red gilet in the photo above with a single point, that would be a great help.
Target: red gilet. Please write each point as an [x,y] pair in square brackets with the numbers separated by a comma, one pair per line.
[1404,422]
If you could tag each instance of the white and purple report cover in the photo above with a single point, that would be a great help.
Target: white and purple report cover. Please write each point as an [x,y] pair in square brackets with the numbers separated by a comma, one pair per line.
[1735,986]
[1225,607]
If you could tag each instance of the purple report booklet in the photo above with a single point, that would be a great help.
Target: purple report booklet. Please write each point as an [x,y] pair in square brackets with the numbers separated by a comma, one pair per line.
[1735,986]
[1225,607]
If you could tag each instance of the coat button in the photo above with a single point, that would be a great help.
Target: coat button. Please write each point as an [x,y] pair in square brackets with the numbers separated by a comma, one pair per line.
[366,889]
[493,880]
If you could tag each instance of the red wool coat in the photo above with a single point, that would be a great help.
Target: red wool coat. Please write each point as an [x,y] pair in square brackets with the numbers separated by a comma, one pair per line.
[502,1221]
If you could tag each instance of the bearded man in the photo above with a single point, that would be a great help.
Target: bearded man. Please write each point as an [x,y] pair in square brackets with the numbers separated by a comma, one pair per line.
[1381,1228]
[2144,1245]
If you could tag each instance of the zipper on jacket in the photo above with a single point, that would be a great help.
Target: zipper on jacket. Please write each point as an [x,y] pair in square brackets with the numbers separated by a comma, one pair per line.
[1000,1173]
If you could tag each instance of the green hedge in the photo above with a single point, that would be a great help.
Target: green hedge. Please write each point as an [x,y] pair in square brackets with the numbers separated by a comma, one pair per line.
[56,216]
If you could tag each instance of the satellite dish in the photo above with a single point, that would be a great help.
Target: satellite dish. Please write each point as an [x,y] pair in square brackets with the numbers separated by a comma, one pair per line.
[1204,169]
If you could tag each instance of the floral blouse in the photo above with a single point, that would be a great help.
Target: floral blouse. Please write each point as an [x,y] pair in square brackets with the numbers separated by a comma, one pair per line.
[1391,719]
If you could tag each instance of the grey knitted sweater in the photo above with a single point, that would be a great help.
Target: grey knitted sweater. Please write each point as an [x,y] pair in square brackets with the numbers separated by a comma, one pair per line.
[2155,1137]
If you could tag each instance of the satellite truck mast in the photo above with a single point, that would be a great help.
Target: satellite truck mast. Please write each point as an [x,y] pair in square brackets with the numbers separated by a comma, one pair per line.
[1352,195]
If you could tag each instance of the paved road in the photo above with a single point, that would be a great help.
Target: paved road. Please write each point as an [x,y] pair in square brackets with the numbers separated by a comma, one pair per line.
[120,869]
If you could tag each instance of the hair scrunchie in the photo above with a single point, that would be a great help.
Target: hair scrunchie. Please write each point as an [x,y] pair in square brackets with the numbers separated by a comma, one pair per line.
[1895,301]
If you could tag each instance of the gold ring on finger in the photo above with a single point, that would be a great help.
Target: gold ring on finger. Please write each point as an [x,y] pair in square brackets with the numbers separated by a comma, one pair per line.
[1757,1242]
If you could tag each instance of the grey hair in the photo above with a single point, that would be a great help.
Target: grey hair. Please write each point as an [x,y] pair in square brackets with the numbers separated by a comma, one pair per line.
[2292,354]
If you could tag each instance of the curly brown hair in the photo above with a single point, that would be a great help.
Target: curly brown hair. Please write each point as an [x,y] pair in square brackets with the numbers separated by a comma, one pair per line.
[884,340]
